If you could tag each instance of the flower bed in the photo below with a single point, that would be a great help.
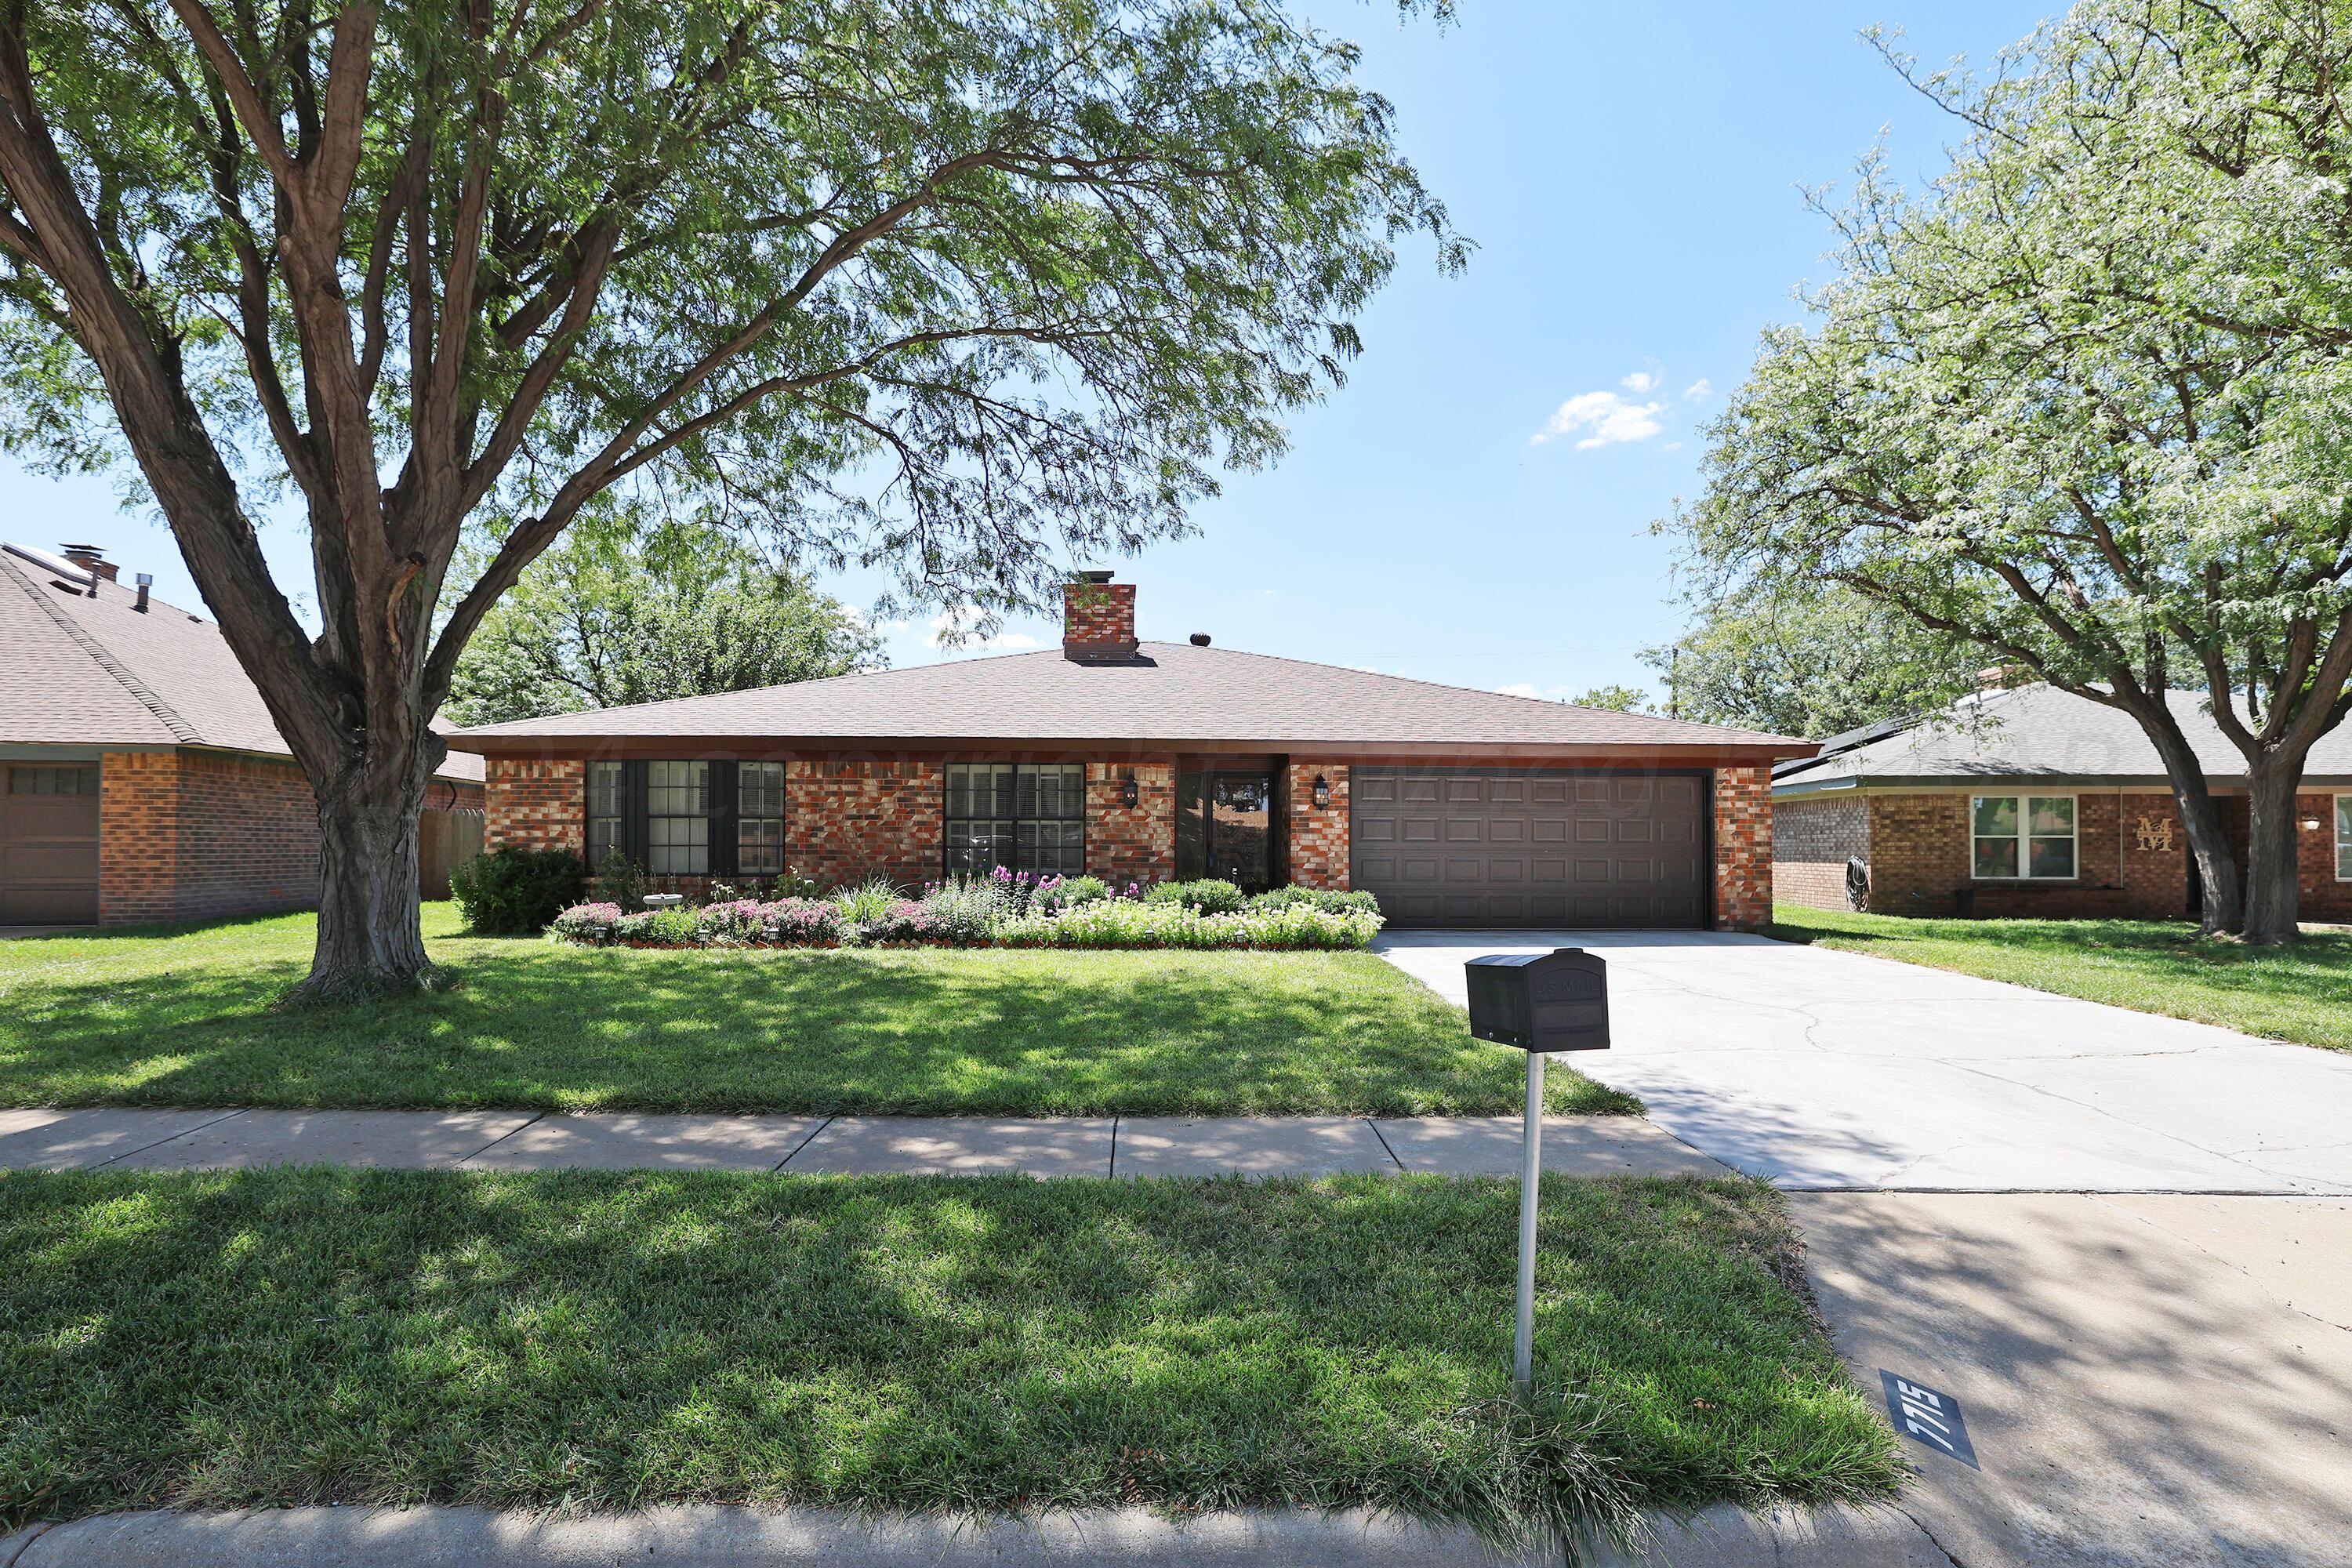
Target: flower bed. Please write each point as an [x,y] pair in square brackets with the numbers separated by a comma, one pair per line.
[953,915]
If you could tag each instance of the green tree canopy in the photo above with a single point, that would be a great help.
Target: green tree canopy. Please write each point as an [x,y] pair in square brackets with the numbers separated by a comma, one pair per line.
[606,619]
[1809,662]
[2086,402]
[956,289]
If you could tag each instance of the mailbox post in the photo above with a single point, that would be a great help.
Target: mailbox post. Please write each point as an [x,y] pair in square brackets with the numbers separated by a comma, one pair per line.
[1541,1003]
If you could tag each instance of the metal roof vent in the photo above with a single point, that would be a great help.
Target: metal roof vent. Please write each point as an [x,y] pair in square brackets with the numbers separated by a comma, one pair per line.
[1200,639]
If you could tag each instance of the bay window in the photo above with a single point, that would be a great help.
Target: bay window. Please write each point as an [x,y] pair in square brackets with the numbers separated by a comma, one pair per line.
[2021,837]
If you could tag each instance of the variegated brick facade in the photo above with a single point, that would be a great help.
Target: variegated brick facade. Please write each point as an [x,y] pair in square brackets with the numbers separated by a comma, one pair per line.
[1743,848]
[1318,835]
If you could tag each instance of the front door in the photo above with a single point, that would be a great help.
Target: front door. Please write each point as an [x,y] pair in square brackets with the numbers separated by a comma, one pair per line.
[1241,828]
[1225,826]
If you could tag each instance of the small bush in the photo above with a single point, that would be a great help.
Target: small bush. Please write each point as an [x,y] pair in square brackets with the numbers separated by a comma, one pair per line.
[1209,896]
[906,922]
[619,880]
[969,909]
[868,901]
[1329,899]
[659,928]
[1081,890]
[590,925]
[514,891]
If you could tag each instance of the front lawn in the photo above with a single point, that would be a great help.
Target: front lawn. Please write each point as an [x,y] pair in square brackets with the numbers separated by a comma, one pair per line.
[2303,995]
[609,1341]
[189,1017]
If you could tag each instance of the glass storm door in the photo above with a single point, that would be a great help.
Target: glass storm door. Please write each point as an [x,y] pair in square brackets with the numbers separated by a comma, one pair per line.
[1240,829]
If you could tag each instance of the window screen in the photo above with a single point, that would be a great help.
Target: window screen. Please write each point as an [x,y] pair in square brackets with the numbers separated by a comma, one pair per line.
[1026,815]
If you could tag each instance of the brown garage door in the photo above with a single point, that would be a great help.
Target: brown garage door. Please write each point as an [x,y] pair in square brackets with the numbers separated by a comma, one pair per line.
[1523,847]
[48,845]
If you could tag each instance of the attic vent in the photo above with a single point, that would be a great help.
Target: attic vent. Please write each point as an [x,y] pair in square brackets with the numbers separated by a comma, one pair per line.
[1200,639]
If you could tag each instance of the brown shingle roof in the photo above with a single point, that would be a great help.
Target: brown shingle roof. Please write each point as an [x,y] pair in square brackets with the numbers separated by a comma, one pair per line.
[1172,693]
[84,671]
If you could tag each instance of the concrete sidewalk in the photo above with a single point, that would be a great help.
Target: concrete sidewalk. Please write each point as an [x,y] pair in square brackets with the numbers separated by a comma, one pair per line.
[710,1536]
[140,1140]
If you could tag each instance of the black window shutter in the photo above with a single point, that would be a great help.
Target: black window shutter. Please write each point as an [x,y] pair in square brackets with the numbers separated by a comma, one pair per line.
[724,796]
[633,814]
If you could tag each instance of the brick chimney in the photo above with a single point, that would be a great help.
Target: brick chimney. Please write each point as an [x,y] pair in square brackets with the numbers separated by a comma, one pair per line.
[90,559]
[1098,619]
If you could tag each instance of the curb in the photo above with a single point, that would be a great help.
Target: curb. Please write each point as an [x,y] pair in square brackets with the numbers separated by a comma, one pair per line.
[706,1535]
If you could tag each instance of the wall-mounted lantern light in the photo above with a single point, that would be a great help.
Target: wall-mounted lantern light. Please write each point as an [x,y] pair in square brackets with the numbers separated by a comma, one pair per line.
[1129,794]
[1322,793]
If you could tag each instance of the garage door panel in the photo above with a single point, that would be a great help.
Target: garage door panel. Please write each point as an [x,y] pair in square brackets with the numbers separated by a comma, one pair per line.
[1639,839]
[48,844]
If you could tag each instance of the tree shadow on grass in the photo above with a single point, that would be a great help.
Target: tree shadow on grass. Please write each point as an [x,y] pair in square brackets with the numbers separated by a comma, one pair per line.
[533,1025]
[262,1339]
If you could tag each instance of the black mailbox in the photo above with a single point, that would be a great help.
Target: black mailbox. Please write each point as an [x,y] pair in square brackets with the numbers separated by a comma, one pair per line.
[1556,1001]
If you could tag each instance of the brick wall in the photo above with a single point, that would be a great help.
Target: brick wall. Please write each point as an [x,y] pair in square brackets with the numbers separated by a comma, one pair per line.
[1743,848]
[1918,853]
[1813,838]
[1131,843]
[189,835]
[248,838]
[846,821]
[138,836]
[1317,837]
[2323,897]
[536,802]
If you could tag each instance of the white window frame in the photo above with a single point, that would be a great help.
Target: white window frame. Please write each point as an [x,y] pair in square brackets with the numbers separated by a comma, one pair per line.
[2344,837]
[2025,835]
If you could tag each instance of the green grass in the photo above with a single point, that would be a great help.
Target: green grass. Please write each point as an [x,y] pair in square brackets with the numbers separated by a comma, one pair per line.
[2302,994]
[610,1340]
[188,1016]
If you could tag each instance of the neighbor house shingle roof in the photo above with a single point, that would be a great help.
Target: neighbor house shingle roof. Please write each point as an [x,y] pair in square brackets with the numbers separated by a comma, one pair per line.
[1171,693]
[2040,732]
[96,672]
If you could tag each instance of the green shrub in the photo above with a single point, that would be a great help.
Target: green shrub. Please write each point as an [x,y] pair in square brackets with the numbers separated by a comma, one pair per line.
[1209,896]
[619,880]
[871,900]
[1327,900]
[516,892]
[1082,890]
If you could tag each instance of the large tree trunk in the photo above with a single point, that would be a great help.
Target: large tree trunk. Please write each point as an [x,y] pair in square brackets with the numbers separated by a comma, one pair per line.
[2272,893]
[2200,818]
[369,941]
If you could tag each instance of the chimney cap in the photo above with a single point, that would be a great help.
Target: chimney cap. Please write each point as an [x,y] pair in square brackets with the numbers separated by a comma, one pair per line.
[1096,575]
[70,551]
[1200,639]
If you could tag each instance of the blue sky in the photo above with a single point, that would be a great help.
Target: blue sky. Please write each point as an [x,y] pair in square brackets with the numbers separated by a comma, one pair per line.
[1632,176]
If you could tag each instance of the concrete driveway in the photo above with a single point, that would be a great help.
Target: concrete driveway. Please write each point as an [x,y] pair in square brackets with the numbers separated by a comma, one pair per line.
[1832,1071]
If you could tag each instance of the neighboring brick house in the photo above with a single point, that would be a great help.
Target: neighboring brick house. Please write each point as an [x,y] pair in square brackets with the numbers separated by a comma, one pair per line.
[2032,801]
[140,776]
[1137,762]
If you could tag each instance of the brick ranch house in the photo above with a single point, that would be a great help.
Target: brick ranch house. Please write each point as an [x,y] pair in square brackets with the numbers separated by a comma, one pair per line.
[1140,762]
[140,777]
[2032,802]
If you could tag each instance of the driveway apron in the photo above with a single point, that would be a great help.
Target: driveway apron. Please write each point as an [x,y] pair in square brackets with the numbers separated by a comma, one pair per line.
[1826,1072]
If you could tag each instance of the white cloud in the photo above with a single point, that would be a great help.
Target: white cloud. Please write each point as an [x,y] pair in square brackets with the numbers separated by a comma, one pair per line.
[1640,382]
[1608,418]
[1700,388]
